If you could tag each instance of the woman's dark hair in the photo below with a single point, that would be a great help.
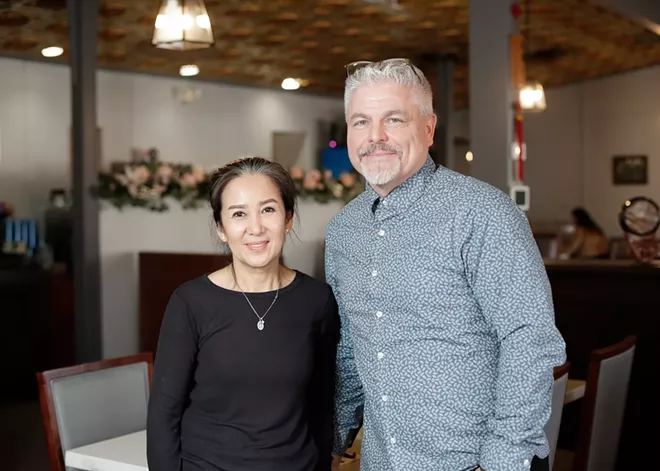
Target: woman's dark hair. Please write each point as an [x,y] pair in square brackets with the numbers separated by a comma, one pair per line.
[251,166]
[584,220]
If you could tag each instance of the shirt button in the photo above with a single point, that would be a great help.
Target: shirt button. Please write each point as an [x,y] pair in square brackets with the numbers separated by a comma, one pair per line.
[381,233]
[392,440]
[379,314]
[386,398]
[380,355]
[374,273]
[526,462]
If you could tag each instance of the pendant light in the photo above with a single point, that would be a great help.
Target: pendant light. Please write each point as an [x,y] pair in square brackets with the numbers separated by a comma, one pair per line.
[183,25]
[532,95]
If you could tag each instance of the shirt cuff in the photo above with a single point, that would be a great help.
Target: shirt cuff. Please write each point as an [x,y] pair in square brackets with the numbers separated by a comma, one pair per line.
[499,456]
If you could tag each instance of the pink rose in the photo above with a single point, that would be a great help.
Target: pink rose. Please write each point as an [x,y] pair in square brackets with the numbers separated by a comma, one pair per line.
[312,179]
[164,173]
[188,180]
[347,179]
[296,173]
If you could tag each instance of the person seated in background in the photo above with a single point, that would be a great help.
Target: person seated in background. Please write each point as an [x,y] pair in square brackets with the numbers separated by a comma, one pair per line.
[587,239]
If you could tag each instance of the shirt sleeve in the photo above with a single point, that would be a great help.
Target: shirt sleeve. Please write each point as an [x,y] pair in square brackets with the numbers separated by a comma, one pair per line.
[170,386]
[349,396]
[509,281]
[323,384]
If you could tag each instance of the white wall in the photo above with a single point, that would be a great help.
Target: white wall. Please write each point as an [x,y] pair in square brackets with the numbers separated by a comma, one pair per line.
[137,111]
[621,116]
[571,145]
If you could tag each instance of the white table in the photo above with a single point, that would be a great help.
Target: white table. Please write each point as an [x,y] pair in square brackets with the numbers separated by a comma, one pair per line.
[126,453]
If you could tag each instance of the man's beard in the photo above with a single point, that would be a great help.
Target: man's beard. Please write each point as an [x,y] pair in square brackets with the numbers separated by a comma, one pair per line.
[381,175]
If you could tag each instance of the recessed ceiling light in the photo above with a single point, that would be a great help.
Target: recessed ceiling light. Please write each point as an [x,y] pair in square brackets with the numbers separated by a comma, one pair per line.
[291,84]
[53,51]
[469,156]
[189,70]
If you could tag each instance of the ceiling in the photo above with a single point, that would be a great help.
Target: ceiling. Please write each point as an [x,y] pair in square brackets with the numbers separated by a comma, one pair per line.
[261,42]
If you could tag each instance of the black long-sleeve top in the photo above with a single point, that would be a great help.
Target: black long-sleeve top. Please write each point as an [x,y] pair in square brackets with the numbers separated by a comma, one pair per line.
[228,397]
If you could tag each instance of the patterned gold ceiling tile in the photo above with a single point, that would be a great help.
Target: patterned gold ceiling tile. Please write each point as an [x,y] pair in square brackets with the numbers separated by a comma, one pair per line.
[59,27]
[256,37]
[155,61]
[261,60]
[274,39]
[351,32]
[425,25]
[112,56]
[112,9]
[286,17]
[112,34]
[244,9]
[366,56]
[397,19]
[449,33]
[322,24]
[232,53]
[21,44]
[308,33]
[13,18]
[381,38]
[236,33]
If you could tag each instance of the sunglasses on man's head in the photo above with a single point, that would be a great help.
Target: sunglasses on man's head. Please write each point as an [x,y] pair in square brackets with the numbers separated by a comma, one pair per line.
[355,66]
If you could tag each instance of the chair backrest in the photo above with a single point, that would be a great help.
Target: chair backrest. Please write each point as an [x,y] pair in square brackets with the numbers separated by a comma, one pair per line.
[554,422]
[91,402]
[604,404]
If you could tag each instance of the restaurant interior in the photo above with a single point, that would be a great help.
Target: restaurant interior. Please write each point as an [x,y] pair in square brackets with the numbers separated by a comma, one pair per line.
[554,102]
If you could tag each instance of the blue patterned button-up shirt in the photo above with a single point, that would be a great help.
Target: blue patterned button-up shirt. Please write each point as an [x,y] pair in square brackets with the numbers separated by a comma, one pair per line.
[448,334]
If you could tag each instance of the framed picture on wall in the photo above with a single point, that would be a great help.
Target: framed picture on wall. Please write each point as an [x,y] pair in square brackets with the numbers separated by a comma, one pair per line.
[630,170]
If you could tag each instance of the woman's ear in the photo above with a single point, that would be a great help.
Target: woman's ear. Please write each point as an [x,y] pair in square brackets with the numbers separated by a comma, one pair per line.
[289,224]
[221,234]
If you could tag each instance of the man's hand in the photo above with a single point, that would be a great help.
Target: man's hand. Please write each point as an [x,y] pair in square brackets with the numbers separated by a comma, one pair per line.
[336,460]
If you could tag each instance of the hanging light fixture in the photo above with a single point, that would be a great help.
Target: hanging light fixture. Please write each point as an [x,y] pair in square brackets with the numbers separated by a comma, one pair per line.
[183,25]
[532,96]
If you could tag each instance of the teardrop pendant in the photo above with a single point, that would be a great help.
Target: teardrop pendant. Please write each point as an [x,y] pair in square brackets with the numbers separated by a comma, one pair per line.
[260,324]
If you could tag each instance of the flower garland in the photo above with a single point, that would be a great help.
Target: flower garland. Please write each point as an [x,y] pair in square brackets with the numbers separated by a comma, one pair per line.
[150,183]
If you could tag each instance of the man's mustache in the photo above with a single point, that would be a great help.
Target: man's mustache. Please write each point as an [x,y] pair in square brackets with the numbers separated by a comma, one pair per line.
[378,147]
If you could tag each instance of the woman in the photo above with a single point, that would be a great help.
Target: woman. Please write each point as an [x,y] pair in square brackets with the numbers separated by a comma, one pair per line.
[243,376]
[588,240]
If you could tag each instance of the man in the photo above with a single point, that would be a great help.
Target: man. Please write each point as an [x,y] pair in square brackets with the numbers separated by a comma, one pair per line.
[448,336]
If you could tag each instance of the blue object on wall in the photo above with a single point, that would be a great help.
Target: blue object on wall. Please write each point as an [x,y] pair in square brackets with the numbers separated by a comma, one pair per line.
[336,160]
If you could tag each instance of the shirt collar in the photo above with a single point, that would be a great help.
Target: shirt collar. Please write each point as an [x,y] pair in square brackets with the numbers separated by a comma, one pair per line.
[404,195]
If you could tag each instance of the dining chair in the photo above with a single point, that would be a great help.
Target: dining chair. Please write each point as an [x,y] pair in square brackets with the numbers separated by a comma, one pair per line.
[603,406]
[91,402]
[554,422]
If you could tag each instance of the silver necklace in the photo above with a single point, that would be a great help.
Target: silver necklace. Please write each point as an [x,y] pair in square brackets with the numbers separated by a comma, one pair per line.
[260,324]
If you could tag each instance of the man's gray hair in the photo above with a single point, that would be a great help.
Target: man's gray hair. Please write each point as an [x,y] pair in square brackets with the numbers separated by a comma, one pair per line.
[397,71]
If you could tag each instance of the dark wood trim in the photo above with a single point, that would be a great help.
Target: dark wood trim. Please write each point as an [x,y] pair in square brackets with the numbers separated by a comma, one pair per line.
[560,371]
[159,275]
[48,414]
[581,458]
